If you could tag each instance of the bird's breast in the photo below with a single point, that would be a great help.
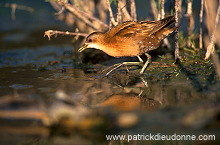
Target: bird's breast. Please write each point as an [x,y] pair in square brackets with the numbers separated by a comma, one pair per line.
[121,50]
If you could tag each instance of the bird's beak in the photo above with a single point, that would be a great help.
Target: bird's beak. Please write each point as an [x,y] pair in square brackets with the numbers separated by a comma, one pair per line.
[82,48]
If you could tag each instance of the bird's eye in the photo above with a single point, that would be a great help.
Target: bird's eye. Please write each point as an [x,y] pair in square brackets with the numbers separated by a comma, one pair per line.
[90,40]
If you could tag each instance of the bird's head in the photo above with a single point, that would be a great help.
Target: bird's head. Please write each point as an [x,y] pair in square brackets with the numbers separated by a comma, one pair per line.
[93,40]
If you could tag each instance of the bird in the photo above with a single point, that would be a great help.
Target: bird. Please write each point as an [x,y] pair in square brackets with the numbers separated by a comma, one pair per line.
[131,39]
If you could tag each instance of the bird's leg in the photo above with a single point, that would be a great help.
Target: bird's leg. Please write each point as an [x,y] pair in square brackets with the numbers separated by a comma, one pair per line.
[146,63]
[126,63]
[141,60]
[116,66]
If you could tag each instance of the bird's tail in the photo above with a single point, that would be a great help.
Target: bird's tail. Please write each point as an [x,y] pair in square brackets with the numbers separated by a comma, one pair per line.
[163,33]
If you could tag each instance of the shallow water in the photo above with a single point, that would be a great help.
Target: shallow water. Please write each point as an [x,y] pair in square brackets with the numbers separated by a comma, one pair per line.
[51,95]
[163,106]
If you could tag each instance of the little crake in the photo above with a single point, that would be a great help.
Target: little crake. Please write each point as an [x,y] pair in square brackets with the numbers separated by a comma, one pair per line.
[132,38]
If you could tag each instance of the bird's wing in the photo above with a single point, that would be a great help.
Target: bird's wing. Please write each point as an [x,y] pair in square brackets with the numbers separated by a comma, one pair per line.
[151,27]
[140,29]
[121,29]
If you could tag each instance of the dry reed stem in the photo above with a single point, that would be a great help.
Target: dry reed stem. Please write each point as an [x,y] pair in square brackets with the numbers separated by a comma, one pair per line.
[190,18]
[14,6]
[200,24]
[190,21]
[210,10]
[211,15]
[57,7]
[159,13]
[83,16]
[61,15]
[133,10]
[211,46]
[49,33]
[176,51]
[162,9]
[93,18]
[76,13]
[119,14]
[112,19]
[125,14]
[215,59]
[154,9]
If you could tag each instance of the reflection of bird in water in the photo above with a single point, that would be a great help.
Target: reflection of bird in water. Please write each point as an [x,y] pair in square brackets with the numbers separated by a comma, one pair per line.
[132,38]
[129,102]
